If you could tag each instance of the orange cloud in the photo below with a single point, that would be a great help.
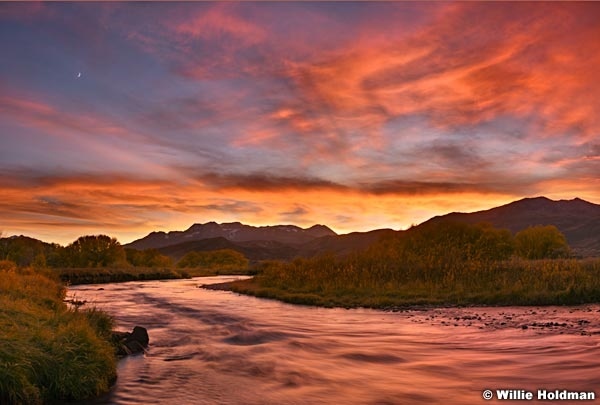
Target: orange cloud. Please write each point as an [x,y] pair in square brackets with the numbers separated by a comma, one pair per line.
[321,116]
[459,73]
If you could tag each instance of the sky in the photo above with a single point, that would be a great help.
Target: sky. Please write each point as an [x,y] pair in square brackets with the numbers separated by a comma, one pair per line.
[127,118]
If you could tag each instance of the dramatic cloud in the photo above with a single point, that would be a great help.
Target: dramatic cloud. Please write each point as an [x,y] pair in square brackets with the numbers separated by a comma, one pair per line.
[124,118]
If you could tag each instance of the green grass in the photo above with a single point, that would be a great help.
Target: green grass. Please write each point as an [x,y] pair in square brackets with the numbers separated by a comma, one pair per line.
[361,281]
[47,351]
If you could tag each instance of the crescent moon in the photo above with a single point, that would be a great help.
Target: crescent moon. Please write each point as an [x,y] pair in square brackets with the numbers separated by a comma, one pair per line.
[78,75]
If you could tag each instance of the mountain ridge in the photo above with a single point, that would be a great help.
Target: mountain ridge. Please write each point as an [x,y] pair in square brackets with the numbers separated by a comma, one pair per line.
[577,219]
[233,231]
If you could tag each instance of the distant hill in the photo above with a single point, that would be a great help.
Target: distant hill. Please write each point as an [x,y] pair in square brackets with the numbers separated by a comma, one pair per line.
[343,244]
[235,232]
[253,250]
[577,219]
[274,250]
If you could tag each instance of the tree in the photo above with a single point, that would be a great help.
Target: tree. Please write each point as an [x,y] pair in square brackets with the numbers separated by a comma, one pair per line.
[95,251]
[451,241]
[25,251]
[541,242]
[222,259]
[494,243]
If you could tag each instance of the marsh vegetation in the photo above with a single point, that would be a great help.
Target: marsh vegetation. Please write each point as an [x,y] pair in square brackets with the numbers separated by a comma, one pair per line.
[442,264]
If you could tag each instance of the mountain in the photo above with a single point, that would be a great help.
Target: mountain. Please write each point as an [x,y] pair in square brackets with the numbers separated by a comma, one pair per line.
[577,219]
[235,232]
[252,250]
[274,250]
[343,244]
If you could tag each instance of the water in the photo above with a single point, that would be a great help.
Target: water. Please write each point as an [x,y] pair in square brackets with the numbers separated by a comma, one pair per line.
[216,347]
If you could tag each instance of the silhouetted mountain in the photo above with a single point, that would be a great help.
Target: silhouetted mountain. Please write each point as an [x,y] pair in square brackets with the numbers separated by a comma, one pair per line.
[235,232]
[577,219]
[343,244]
[253,250]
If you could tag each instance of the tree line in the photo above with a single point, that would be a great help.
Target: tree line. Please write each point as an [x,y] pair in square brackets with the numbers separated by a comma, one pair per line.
[445,243]
[93,251]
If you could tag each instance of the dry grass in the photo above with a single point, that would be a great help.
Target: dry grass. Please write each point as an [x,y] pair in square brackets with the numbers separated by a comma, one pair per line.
[48,351]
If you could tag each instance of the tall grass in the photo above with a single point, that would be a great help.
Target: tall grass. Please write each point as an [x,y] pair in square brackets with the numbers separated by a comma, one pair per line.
[451,264]
[47,351]
[350,282]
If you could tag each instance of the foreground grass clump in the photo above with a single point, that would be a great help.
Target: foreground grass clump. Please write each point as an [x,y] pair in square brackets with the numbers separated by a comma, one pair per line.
[47,351]
[445,264]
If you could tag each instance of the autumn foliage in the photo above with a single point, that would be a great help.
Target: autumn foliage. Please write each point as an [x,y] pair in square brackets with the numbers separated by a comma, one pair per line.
[442,263]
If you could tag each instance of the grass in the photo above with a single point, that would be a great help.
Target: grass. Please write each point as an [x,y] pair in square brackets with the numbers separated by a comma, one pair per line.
[47,351]
[436,264]
[379,280]
[97,275]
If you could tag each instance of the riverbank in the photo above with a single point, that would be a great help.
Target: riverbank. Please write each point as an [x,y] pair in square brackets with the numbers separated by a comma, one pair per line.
[99,275]
[354,282]
[549,319]
[48,351]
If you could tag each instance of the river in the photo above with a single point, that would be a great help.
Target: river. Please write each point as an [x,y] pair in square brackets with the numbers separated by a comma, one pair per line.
[217,347]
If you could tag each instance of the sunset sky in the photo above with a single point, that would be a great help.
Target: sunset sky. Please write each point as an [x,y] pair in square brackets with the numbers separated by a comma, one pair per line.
[124,118]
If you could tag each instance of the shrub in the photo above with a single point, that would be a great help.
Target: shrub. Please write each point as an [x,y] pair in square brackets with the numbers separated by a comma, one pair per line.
[541,242]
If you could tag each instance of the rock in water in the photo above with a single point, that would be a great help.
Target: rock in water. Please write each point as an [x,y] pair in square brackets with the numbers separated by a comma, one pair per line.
[127,343]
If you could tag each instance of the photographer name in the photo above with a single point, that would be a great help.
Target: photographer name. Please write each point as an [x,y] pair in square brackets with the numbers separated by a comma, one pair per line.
[540,395]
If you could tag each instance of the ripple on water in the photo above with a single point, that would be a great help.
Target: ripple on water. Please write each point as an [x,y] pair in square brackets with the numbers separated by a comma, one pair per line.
[213,347]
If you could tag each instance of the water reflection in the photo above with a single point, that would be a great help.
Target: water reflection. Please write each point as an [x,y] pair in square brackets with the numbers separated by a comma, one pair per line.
[210,347]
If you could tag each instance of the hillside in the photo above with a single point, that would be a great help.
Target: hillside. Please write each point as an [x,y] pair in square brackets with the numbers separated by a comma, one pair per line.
[577,219]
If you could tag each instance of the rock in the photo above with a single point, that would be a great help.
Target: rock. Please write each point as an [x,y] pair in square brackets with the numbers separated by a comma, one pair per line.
[133,342]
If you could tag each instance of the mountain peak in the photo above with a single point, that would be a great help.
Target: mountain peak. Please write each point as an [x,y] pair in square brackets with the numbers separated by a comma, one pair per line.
[233,231]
